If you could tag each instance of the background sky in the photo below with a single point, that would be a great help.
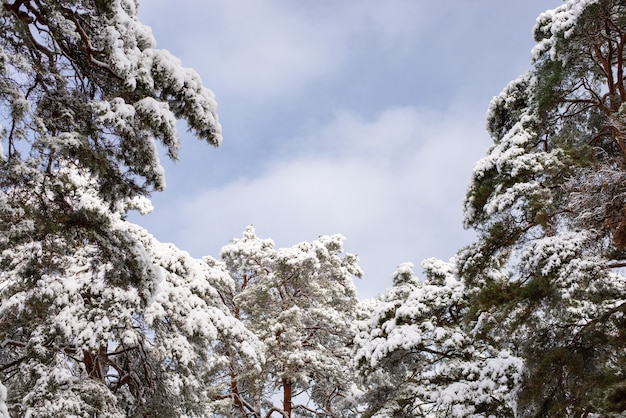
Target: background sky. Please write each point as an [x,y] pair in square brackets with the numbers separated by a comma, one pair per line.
[358,117]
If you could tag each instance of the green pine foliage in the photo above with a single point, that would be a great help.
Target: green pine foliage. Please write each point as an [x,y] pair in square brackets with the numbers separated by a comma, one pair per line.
[548,204]
[99,318]
[96,316]
[300,302]
[544,280]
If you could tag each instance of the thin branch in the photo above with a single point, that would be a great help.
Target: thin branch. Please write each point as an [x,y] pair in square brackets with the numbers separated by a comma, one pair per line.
[275,409]
[12,364]
[12,343]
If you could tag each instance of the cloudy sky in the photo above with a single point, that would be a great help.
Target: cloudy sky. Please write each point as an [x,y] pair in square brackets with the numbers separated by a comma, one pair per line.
[358,117]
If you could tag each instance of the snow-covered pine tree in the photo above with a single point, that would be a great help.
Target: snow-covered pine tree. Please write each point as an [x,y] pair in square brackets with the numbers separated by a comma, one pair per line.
[300,302]
[416,358]
[549,205]
[95,314]
[81,340]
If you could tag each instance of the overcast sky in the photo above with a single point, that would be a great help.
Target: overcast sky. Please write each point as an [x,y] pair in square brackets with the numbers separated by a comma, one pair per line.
[358,117]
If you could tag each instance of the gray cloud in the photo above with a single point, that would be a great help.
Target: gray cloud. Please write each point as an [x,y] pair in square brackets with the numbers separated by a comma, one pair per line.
[392,185]
[263,49]
[360,118]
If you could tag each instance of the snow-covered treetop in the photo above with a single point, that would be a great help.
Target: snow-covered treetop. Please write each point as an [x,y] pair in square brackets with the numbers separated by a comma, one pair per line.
[84,84]
[557,24]
[418,359]
[556,129]
[300,301]
[127,319]
[548,202]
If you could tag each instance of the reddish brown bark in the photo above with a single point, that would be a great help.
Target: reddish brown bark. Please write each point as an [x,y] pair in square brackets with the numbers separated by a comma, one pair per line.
[95,363]
[234,387]
[287,394]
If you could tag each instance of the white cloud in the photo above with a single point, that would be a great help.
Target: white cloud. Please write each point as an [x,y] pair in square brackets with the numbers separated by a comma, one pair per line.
[263,49]
[392,185]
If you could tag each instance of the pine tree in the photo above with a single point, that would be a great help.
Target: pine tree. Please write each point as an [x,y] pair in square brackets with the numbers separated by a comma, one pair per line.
[416,358]
[548,203]
[83,339]
[96,316]
[300,302]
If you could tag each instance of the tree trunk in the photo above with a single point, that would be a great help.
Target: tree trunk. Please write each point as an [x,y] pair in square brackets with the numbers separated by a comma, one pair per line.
[234,387]
[287,393]
[95,363]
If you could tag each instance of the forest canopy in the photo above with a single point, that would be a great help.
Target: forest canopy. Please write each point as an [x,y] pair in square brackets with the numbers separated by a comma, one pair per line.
[99,318]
